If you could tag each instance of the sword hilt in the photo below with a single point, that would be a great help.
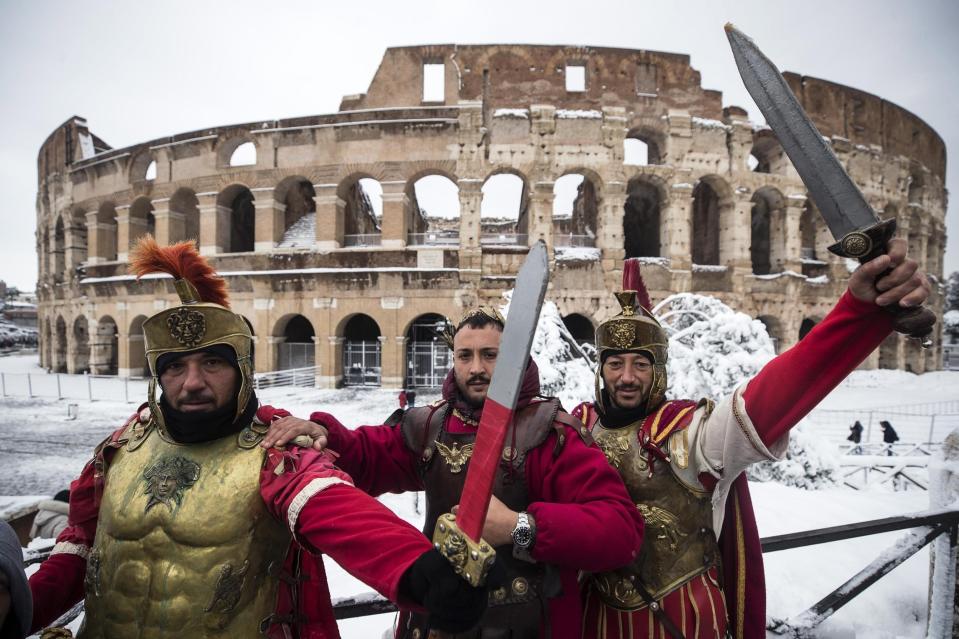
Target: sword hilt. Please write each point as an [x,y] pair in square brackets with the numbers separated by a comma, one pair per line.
[868,244]
[470,559]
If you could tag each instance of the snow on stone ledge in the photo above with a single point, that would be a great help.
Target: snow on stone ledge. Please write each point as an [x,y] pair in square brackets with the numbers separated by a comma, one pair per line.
[576,254]
[511,113]
[579,114]
[707,123]
[709,268]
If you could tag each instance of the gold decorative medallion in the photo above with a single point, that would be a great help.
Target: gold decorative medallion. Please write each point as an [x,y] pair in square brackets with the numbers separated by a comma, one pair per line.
[622,333]
[856,244]
[614,446]
[228,588]
[168,478]
[454,456]
[663,523]
[186,326]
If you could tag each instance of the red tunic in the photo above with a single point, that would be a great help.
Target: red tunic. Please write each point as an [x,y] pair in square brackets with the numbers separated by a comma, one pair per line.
[780,395]
[336,521]
[584,517]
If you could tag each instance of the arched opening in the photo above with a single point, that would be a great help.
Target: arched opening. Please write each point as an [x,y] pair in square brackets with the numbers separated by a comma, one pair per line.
[773,329]
[107,232]
[635,152]
[151,172]
[77,237]
[428,359]
[299,212]
[581,328]
[503,210]
[141,220]
[60,347]
[807,232]
[136,348]
[916,187]
[889,352]
[705,224]
[434,211]
[807,325]
[59,249]
[103,349]
[643,147]
[361,352]
[81,345]
[243,155]
[185,216]
[642,219]
[298,348]
[238,213]
[362,211]
[575,210]
[760,226]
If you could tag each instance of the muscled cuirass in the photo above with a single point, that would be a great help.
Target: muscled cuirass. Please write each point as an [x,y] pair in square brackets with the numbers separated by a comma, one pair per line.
[515,608]
[184,545]
[679,543]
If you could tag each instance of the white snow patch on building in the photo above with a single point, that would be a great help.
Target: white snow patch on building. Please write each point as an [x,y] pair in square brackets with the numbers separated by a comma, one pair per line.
[302,234]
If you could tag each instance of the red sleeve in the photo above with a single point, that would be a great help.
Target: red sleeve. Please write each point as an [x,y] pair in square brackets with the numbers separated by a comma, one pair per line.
[376,457]
[585,519]
[328,515]
[58,584]
[791,385]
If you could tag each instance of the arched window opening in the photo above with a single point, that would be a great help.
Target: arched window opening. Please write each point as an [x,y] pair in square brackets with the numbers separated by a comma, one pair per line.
[503,213]
[244,155]
[641,220]
[141,220]
[151,172]
[435,208]
[705,225]
[916,189]
[242,225]
[185,225]
[581,328]
[643,147]
[428,359]
[756,165]
[807,325]
[298,349]
[136,348]
[299,215]
[363,212]
[60,347]
[107,232]
[807,232]
[575,211]
[635,152]
[361,352]
[81,345]
[759,249]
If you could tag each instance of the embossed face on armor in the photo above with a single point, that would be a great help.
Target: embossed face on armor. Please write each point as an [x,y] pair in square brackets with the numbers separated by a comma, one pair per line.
[628,378]
[199,382]
[168,478]
[474,358]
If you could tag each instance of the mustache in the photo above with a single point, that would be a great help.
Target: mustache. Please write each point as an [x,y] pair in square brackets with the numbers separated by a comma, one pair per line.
[478,378]
[197,398]
[628,387]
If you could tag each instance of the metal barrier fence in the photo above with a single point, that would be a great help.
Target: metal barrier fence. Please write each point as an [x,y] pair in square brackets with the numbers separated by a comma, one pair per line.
[913,422]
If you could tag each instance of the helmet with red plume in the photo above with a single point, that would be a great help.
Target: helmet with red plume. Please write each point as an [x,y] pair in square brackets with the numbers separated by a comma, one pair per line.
[634,330]
[201,320]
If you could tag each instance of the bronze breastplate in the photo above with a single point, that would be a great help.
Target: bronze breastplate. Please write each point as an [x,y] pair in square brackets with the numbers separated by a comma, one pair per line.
[679,543]
[184,543]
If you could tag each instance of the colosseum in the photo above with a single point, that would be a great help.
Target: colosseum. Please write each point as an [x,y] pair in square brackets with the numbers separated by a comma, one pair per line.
[346,237]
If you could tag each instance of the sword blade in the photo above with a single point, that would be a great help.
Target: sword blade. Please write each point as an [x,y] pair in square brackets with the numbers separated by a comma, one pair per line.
[839,200]
[503,391]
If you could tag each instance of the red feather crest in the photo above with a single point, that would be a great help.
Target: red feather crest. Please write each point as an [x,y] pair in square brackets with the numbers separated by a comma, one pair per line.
[633,281]
[183,262]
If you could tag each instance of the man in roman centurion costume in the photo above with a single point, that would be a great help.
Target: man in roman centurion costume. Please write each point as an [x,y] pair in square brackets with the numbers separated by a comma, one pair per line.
[699,573]
[558,508]
[183,526]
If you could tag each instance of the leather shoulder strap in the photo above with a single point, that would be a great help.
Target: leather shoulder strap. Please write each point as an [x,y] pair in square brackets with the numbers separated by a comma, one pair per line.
[576,424]
[422,425]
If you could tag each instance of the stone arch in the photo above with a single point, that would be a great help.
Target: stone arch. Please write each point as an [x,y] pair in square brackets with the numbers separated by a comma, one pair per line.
[104,349]
[362,352]
[227,147]
[140,167]
[141,220]
[79,360]
[889,352]
[766,154]
[137,364]
[807,324]
[59,248]
[184,216]
[767,231]
[107,231]
[646,199]
[296,343]
[433,207]
[236,215]
[504,208]
[428,358]
[580,327]
[358,211]
[294,194]
[712,201]
[774,327]
[644,146]
[60,345]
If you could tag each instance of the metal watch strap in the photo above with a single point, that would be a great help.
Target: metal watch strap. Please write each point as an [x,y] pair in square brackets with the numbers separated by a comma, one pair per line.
[522,552]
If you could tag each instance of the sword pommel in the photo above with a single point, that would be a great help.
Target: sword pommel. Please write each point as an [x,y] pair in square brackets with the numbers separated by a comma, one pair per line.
[470,559]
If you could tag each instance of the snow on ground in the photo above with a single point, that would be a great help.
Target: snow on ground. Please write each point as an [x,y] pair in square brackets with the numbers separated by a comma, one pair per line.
[42,451]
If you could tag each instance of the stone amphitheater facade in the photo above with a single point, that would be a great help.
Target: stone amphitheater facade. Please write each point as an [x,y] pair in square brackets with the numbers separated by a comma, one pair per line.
[327,281]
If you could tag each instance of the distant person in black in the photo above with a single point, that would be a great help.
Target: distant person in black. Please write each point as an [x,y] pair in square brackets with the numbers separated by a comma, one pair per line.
[411,398]
[889,435]
[855,436]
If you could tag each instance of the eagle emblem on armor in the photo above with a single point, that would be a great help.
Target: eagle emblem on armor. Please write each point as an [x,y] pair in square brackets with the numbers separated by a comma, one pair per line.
[168,478]
[454,456]
[663,522]
[186,326]
[622,333]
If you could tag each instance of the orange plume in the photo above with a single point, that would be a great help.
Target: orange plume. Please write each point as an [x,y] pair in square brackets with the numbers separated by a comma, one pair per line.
[183,262]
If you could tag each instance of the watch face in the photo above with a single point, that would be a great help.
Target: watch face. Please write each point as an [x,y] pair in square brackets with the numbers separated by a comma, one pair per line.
[522,536]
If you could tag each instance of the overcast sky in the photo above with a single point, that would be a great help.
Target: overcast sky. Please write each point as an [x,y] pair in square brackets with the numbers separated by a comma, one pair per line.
[138,71]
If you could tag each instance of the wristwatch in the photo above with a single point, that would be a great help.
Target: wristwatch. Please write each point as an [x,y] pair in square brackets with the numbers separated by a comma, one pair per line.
[523,535]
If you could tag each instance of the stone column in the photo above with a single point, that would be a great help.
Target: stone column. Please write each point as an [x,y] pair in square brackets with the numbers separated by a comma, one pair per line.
[211,226]
[332,365]
[471,198]
[609,231]
[391,363]
[396,214]
[677,227]
[170,225]
[273,350]
[76,249]
[96,239]
[270,220]
[792,254]
[330,210]
[734,231]
[126,229]
[130,366]
[540,215]
[921,257]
